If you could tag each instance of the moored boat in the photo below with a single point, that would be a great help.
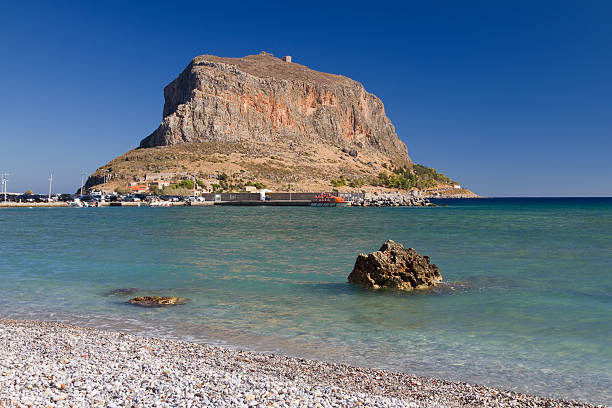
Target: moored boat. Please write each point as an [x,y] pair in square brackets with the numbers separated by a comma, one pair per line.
[77,203]
[328,200]
[160,204]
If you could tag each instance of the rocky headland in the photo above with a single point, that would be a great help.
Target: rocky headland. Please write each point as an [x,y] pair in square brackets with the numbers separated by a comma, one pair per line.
[264,120]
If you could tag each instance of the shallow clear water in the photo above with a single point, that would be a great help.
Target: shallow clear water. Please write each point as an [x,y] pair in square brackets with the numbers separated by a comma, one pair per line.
[536,315]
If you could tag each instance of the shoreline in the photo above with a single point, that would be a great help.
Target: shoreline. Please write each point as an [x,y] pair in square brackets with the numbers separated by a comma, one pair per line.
[53,364]
[410,198]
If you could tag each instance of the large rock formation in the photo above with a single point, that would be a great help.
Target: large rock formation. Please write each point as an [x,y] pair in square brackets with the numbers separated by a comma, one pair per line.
[394,266]
[262,98]
[262,120]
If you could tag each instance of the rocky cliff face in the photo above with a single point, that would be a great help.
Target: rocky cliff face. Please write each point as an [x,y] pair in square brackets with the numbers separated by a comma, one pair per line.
[263,99]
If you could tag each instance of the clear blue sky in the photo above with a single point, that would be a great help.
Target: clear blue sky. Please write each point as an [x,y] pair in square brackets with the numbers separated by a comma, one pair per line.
[510,98]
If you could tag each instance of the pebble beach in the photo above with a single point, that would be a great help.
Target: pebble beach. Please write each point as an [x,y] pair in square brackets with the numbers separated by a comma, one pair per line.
[47,364]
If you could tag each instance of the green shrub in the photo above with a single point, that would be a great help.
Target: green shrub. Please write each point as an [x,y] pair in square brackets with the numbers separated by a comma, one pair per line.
[186,184]
[338,183]
[356,183]
[175,189]
[258,185]
[153,189]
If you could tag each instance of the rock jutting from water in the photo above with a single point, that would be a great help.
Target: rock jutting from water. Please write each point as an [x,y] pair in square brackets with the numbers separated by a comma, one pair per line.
[394,266]
[158,301]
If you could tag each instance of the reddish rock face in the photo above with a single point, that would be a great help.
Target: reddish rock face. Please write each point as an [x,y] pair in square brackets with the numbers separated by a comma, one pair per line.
[394,266]
[262,98]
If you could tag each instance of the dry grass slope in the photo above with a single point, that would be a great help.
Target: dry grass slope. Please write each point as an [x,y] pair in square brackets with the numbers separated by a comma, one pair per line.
[304,167]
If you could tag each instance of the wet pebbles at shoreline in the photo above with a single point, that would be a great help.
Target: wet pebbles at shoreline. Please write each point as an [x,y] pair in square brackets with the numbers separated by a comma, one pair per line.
[56,365]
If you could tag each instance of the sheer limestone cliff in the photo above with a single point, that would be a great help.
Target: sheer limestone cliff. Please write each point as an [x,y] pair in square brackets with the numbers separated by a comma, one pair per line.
[265,99]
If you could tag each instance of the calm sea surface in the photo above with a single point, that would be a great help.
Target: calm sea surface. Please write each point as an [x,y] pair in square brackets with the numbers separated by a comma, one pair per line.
[535,315]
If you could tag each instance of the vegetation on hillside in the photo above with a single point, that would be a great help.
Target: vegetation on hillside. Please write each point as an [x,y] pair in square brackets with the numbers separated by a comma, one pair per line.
[256,184]
[404,178]
[225,184]
[418,177]
[123,190]
[354,183]
[429,173]
[232,167]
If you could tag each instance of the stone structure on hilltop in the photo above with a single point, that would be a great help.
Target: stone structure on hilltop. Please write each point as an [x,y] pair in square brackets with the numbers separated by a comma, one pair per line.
[263,98]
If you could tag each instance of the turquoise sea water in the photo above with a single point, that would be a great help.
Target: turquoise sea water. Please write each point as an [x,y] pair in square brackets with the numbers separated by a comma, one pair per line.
[536,315]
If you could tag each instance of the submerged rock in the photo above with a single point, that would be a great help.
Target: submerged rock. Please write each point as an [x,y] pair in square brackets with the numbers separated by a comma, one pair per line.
[122,291]
[158,301]
[394,266]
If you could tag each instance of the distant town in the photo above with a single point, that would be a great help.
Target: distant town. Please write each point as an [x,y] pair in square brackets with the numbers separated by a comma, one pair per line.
[173,189]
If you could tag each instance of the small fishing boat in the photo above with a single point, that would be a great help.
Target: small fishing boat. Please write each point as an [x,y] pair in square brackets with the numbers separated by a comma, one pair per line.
[328,200]
[160,204]
[77,203]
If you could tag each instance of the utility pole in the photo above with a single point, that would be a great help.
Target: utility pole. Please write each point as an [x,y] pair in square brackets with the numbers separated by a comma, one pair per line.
[104,183]
[50,185]
[4,180]
[291,185]
[82,182]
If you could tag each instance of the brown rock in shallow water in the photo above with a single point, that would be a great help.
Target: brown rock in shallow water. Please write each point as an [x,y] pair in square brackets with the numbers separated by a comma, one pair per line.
[158,301]
[394,266]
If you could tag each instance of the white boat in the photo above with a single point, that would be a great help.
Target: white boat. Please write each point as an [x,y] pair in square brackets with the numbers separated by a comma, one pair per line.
[77,203]
[160,204]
